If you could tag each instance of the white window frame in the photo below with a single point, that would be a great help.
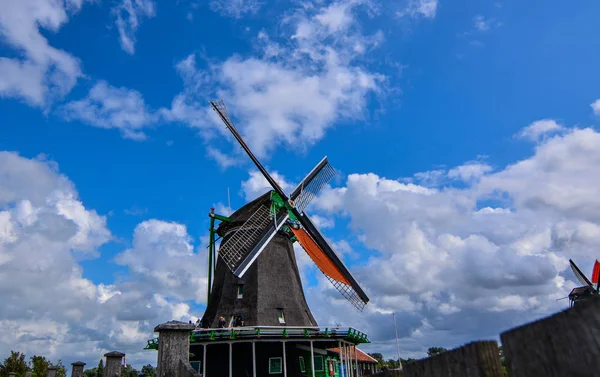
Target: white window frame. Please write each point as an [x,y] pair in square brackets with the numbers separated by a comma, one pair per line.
[280,364]
[281,317]
[302,364]
[240,295]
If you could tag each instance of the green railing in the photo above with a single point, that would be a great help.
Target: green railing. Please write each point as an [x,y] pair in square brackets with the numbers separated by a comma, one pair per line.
[271,332]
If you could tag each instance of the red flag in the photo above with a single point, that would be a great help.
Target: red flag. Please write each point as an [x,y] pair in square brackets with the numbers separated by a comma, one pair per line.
[596,272]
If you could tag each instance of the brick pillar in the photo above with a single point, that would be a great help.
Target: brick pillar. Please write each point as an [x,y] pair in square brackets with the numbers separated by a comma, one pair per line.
[77,370]
[51,372]
[28,373]
[112,367]
[173,345]
[12,374]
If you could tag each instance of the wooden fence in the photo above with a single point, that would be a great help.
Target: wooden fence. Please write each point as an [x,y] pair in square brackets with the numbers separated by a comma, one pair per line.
[566,344]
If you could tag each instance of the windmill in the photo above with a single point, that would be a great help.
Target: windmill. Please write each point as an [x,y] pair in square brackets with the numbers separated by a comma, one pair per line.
[286,213]
[587,289]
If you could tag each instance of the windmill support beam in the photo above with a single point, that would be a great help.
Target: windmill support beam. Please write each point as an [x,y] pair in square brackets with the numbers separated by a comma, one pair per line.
[341,359]
[204,360]
[230,359]
[356,361]
[284,361]
[312,358]
[349,360]
[253,359]
[344,361]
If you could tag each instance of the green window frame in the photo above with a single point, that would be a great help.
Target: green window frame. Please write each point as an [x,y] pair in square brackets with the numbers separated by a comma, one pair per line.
[275,365]
[318,364]
[302,364]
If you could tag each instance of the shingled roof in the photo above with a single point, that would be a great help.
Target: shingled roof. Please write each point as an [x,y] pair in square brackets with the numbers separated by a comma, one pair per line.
[362,356]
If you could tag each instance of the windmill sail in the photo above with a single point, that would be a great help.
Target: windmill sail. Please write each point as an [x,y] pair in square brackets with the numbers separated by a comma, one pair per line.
[310,186]
[579,275]
[329,263]
[258,248]
[596,272]
[220,108]
[329,268]
[237,248]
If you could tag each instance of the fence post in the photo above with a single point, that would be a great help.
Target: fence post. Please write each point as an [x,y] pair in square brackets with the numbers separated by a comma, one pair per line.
[476,359]
[51,372]
[28,373]
[564,344]
[112,368]
[77,370]
[12,374]
[173,345]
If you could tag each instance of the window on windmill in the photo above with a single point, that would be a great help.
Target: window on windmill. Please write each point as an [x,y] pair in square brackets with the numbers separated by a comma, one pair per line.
[275,365]
[240,291]
[302,365]
[280,316]
[318,363]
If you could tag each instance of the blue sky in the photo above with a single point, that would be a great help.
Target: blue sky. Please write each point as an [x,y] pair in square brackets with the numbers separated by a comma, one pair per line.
[431,111]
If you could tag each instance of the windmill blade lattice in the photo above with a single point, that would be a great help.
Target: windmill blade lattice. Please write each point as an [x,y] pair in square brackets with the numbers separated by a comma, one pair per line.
[309,188]
[335,273]
[258,248]
[329,263]
[235,250]
[220,105]
[348,292]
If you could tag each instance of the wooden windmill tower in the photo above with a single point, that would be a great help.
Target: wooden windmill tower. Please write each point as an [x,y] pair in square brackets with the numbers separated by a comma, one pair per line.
[257,312]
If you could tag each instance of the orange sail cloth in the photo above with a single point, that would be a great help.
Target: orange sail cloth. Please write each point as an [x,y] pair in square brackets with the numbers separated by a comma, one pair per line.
[318,256]
[596,272]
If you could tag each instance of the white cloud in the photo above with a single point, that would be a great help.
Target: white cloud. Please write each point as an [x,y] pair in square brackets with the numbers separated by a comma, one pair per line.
[596,106]
[49,306]
[469,171]
[224,160]
[129,14]
[539,128]
[482,24]
[257,185]
[559,178]
[323,222]
[310,79]
[109,107]
[419,8]
[40,73]
[235,8]
[163,260]
[442,259]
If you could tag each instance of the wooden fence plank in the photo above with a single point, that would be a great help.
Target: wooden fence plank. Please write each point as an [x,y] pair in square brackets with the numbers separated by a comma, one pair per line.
[477,359]
[564,344]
